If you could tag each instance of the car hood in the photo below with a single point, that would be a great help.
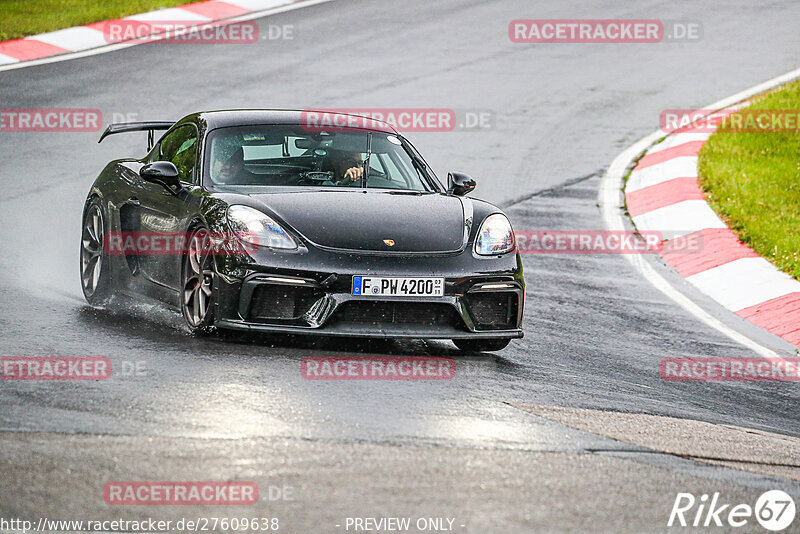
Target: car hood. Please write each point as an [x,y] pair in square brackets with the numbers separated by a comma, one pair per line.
[369,220]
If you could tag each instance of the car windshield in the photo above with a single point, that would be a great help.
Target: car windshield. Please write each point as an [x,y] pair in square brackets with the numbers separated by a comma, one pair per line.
[287,155]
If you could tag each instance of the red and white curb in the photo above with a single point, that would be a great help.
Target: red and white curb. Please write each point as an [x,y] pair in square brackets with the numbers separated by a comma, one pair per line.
[91,36]
[663,194]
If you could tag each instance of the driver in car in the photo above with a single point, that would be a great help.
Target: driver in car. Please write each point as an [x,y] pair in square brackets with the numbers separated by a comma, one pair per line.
[347,167]
[232,170]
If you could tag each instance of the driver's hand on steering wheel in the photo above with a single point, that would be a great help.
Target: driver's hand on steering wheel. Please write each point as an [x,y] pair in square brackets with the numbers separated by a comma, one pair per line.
[353,174]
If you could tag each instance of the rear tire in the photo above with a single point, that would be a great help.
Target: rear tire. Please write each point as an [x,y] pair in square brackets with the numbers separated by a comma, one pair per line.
[481,345]
[95,267]
[197,283]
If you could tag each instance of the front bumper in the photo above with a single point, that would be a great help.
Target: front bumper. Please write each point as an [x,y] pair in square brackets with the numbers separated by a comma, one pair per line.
[483,297]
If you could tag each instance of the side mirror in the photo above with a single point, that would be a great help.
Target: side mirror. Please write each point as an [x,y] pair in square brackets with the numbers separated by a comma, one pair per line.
[459,184]
[163,173]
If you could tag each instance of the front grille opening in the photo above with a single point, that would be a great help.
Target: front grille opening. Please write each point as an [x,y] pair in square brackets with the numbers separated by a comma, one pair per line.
[275,301]
[398,313]
[493,311]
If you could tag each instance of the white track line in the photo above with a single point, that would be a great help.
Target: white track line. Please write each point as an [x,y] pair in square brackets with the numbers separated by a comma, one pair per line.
[678,139]
[169,14]
[611,206]
[680,167]
[120,46]
[679,219]
[73,39]
[743,283]
[256,5]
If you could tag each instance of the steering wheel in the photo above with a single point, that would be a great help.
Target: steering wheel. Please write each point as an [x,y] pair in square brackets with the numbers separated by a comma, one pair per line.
[315,177]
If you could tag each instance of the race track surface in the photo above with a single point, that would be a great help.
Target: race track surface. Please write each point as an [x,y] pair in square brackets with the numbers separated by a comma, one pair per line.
[485,448]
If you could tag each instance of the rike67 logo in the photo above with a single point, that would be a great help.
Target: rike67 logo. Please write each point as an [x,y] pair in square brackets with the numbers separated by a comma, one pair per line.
[774,510]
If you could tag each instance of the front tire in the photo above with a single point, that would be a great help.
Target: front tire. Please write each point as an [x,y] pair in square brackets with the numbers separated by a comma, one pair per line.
[197,283]
[481,345]
[95,267]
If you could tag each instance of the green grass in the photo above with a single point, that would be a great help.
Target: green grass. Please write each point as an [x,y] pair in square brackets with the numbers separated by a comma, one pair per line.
[752,180]
[21,18]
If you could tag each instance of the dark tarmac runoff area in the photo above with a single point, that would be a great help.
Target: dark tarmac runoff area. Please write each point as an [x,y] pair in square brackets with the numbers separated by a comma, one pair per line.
[569,429]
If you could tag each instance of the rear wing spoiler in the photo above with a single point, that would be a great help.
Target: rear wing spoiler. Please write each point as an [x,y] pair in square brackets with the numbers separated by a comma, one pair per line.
[149,127]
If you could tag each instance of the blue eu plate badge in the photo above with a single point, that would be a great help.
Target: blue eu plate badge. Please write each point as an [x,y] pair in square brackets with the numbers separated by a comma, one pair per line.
[357,280]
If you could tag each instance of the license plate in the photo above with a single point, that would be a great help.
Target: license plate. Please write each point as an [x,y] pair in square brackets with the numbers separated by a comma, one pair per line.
[397,286]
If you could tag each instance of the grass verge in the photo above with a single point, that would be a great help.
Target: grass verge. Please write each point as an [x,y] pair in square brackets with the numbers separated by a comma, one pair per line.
[21,18]
[752,181]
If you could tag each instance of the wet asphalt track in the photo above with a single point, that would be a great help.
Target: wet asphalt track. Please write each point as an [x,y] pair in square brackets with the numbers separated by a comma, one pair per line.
[237,408]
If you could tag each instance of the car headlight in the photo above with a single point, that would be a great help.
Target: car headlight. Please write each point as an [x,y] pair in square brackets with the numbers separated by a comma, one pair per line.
[495,236]
[258,228]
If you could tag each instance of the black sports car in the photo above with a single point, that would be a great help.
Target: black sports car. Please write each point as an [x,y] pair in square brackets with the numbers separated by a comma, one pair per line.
[341,231]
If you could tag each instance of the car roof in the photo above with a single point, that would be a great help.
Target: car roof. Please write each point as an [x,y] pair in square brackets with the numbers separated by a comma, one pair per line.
[246,117]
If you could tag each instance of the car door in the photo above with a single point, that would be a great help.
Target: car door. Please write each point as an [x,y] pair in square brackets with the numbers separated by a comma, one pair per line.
[163,212]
